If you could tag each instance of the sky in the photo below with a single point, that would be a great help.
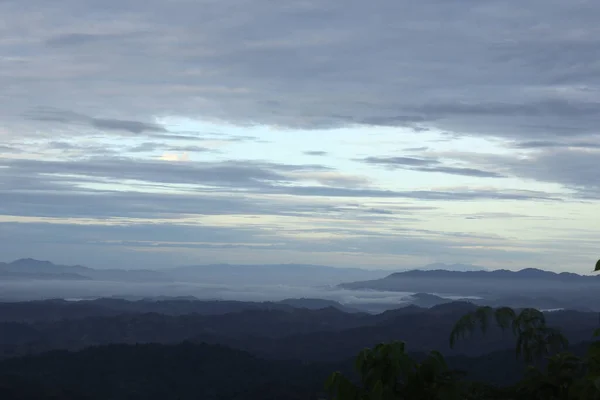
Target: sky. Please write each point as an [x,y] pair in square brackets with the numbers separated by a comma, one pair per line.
[384,135]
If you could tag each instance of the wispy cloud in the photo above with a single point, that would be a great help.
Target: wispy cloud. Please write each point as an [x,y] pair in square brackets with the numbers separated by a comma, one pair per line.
[316,153]
[429,165]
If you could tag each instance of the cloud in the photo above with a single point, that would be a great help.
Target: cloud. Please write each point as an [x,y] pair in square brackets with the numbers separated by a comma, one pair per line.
[94,96]
[146,147]
[191,149]
[463,171]
[230,174]
[87,150]
[82,39]
[332,178]
[501,215]
[428,165]
[248,176]
[67,117]
[380,211]
[544,144]
[175,157]
[316,153]
[573,168]
[129,126]
[128,242]
[10,149]
[439,195]
[396,162]
[150,147]
[492,72]
[576,169]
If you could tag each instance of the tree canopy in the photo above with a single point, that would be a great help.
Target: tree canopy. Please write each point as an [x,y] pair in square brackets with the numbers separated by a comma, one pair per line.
[387,372]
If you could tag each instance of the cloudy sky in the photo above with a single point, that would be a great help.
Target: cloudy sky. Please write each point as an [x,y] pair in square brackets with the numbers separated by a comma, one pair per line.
[384,134]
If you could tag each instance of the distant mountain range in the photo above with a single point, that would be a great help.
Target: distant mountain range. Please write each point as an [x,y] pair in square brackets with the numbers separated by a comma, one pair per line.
[301,274]
[527,273]
[272,274]
[528,287]
[396,278]
[433,284]
[28,268]
[59,309]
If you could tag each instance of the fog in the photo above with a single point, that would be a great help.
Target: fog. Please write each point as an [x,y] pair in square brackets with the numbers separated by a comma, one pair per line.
[365,290]
[366,300]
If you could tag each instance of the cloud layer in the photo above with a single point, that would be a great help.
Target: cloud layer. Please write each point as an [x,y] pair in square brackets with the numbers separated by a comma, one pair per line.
[336,132]
[468,67]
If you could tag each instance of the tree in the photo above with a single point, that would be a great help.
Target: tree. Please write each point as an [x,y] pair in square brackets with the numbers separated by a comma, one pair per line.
[534,338]
[556,382]
[387,372]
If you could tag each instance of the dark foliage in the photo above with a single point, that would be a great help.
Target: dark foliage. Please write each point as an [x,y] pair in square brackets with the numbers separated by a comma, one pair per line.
[310,335]
[152,371]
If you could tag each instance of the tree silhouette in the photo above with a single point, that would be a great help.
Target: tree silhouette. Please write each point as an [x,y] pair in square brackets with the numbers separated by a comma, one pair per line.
[387,372]
[534,338]
[556,382]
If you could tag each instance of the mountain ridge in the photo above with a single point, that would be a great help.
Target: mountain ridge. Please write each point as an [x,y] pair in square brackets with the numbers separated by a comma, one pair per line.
[31,264]
[522,273]
[530,287]
[30,268]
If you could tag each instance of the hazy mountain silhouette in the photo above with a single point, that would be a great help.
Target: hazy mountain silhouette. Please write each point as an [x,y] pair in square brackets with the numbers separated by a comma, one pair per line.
[528,287]
[29,268]
[316,304]
[271,274]
[527,273]
[435,274]
[57,309]
[299,274]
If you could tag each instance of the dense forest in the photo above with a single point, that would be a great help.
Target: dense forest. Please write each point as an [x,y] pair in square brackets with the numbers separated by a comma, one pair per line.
[320,335]
[188,349]
[199,370]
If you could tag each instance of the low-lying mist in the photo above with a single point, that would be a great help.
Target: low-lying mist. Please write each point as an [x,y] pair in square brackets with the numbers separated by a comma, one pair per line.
[364,300]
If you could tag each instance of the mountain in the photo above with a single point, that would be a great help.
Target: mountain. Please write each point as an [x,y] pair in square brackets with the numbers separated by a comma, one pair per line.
[263,353]
[326,334]
[272,274]
[528,287]
[316,304]
[527,273]
[11,275]
[28,268]
[427,300]
[32,266]
[486,284]
[59,309]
